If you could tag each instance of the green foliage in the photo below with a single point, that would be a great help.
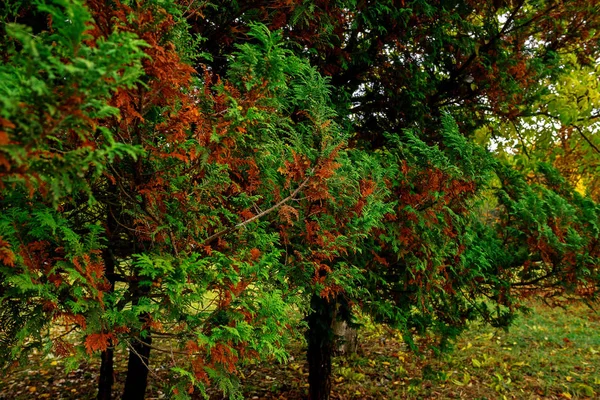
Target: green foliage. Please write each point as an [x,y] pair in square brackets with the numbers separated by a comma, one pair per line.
[320,161]
[54,88]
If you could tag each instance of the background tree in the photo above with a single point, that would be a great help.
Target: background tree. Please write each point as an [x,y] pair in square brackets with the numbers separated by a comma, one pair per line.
[560,128]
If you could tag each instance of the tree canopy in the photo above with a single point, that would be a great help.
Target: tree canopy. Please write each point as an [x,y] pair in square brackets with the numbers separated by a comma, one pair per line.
[198,174]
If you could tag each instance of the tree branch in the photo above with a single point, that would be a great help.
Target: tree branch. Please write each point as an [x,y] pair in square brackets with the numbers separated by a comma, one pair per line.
[262,214]
[132,349]
[592,145]
[546,114]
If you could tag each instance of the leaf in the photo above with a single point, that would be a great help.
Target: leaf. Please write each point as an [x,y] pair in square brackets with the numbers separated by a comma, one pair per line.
[99,342]
[7,257]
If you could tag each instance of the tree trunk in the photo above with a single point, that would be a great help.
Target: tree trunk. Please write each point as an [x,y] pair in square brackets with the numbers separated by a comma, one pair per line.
[345,333]
[107,371]
[137,369]
[346,338]
[321,342]
[106,375]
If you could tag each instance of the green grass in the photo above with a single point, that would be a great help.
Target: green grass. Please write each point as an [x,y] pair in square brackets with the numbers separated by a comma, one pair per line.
[549,353]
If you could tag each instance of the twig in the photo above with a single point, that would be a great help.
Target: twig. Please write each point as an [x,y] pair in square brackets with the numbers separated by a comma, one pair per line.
[161,349]
[522,140]
[262,214]
[592,145]
[73,328]
[142,358]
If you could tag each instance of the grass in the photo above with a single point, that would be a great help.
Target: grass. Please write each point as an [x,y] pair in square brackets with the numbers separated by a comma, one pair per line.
[548,354]
[552,353]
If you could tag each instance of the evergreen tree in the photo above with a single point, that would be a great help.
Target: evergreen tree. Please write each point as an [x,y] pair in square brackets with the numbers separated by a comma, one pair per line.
[200,172]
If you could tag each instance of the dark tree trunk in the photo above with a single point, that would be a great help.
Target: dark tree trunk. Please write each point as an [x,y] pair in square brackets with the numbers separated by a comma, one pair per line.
[107,371]
[106,375]
[321,342]
[137,369]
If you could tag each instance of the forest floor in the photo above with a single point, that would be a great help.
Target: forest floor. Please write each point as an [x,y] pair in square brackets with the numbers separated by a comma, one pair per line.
[549,354]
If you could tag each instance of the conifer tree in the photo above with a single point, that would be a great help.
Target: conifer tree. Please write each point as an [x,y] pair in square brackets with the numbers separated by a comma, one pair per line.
[197,172]
[401,71]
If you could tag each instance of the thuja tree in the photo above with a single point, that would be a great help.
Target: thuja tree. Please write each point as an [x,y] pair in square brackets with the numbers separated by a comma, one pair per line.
[453,253]
[55,87]
[142,199]
[398,65]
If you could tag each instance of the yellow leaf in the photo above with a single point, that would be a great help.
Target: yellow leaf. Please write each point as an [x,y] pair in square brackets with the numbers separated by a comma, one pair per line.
[569,379]
[468,346]
[466,378]
[386,363]
[32,389]
[54,363]
[566,395]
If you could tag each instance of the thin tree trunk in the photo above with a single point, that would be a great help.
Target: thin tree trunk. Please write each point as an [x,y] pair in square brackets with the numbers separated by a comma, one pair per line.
[346,338]
[345,334]
[321,342]
[137,369]
[107,371]
[106,375]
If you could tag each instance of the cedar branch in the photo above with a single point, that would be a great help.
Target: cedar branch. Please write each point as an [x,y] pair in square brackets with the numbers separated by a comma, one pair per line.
[262,214]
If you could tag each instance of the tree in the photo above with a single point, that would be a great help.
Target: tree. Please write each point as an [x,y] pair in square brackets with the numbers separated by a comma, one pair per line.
[55,87]
[199,172]
[404,65]
[168,196]
[559,128]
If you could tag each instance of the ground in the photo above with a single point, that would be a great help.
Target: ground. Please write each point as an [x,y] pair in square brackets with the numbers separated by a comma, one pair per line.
[549,354]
